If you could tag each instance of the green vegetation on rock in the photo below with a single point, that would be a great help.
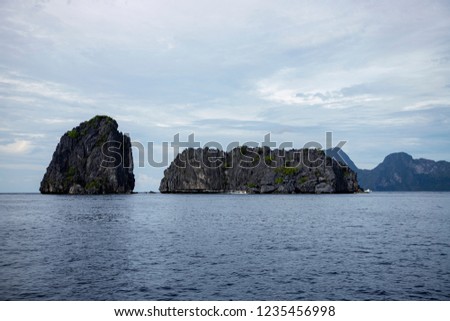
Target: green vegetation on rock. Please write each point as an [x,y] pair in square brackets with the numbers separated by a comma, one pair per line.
[71,171]
[72,133]
[303,179]
[287,171]
[70,174]
[94,184]
[98,118]
[101,140]
[268,159]
[279,180]
[256,160]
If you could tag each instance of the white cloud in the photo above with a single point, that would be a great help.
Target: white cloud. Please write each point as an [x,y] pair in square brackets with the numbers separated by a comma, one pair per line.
[327,99]
[52,121]
[30,135]
[43,89]
[429,104]
[17,147]
[299,91]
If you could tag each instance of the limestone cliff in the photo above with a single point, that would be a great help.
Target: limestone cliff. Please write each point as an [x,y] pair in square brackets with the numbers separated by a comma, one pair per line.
[257,170]
[93,158]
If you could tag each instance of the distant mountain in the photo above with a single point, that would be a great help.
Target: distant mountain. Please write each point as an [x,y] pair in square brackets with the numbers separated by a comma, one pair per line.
[400,172]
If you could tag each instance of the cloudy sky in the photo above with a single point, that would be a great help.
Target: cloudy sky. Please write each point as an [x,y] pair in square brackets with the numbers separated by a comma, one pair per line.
[375,73]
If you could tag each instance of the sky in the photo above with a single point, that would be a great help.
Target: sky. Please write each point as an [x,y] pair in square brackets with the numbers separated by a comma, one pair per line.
[374,73]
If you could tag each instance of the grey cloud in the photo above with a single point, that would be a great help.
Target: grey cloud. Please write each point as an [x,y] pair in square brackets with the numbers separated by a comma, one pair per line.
[360,89]
[322,96]
[250,126]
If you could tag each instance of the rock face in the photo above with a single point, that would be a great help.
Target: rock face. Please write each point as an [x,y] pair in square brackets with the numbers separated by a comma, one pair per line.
[257,170]
[93,158]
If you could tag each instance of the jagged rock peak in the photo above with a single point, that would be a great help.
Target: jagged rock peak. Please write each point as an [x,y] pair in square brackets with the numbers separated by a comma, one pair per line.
[257,170]
[92,158]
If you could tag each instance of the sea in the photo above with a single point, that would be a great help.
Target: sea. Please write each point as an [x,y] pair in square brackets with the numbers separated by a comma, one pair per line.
[377,246]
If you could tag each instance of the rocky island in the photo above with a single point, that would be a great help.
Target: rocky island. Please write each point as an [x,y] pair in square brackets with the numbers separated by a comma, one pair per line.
[92,158]
[257,170]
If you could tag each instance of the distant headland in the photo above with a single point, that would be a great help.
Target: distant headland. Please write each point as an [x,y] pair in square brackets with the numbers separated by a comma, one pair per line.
[401,172]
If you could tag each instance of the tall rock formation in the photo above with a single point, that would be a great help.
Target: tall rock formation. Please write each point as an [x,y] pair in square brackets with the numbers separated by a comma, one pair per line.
[257,170]
[92,158]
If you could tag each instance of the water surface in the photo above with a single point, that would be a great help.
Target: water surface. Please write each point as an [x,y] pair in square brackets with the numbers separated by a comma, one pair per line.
[378,246]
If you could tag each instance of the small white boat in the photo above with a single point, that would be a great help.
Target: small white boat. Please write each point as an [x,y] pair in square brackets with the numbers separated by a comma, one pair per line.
[367,190]
[238,192]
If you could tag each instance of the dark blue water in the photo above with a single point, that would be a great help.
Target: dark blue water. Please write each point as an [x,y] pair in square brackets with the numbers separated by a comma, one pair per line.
[379,246]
